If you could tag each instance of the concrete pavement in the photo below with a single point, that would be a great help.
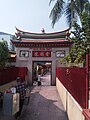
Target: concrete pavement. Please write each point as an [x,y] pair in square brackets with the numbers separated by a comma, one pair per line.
[44,104]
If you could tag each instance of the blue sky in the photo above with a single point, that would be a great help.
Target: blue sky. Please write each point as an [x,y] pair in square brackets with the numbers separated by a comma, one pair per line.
[27,15]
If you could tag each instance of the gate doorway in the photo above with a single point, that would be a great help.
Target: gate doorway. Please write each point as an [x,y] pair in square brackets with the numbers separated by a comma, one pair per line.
[42,70]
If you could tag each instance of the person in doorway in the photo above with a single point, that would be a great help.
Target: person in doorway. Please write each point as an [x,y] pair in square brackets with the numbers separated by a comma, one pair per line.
[20,88]
[39,79]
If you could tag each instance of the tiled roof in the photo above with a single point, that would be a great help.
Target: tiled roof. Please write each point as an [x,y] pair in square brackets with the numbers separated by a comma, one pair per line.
[43,41]
[23,34]
[56,39]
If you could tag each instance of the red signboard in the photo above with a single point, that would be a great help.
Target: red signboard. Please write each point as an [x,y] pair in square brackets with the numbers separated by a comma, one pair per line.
[41,53]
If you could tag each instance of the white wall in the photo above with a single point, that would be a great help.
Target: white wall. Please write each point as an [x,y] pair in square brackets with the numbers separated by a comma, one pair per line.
[73,109]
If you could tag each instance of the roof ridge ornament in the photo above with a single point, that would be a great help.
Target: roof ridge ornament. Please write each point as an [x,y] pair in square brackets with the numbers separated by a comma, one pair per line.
[43,30]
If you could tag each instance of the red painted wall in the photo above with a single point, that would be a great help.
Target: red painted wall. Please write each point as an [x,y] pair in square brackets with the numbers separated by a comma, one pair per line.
[74,80]
[11,73]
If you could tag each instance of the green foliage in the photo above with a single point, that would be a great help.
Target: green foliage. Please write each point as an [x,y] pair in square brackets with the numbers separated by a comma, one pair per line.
[81,35]
[85,20]
[4,53]
[81,42]
[70,8]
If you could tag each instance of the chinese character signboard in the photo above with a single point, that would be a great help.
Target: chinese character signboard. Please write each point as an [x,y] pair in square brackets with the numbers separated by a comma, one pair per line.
[41,53]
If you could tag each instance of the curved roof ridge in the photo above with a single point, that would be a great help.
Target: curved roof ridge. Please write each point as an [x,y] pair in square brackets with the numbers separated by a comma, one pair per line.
[67,30]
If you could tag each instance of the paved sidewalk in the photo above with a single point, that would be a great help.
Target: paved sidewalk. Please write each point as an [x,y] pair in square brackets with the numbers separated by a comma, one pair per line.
[44,105]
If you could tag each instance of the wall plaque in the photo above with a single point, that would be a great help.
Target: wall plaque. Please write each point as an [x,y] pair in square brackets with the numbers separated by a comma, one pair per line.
[60,53]
[41,53]
[24,53]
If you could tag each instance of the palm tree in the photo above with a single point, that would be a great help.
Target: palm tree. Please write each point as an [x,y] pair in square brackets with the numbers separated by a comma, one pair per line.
[70,8]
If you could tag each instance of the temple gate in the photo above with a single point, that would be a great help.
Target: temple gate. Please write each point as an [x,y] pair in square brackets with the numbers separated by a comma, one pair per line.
[35,50]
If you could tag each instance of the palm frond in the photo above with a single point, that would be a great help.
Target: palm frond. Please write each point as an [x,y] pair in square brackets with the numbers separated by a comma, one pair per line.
[80,5]
[71,12]
[56,11]
[68,14]
[51,1]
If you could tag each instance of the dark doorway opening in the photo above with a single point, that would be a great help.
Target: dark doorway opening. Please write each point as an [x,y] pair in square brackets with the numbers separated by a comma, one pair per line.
[41,71]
